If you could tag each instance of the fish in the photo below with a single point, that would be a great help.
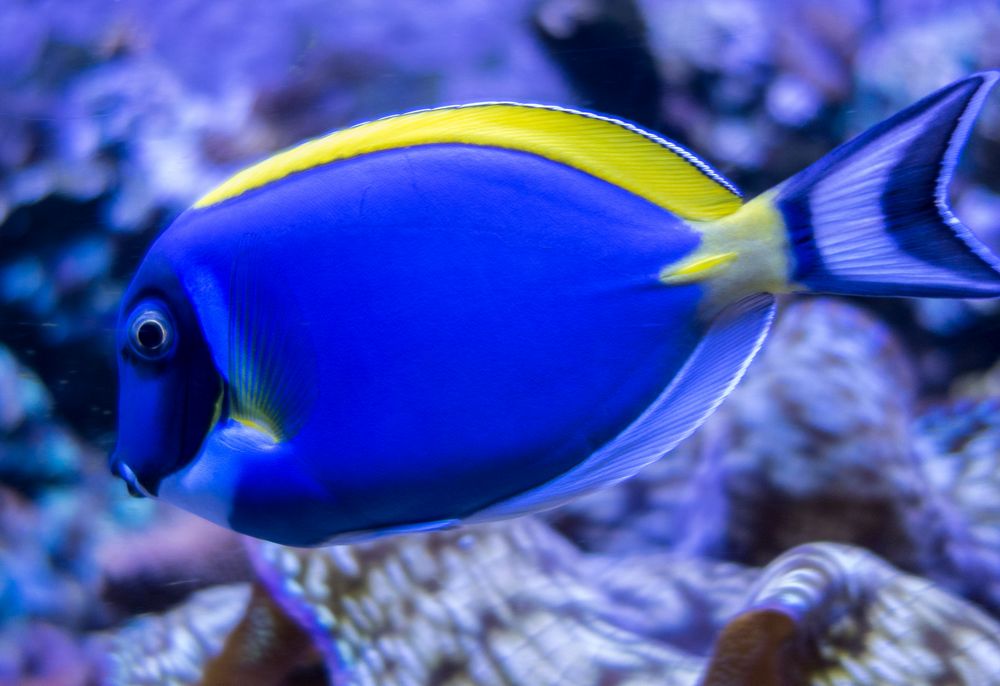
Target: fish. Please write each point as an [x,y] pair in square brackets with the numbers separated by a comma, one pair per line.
[475,312]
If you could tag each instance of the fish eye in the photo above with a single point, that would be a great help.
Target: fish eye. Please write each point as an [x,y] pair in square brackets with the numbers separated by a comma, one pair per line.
[151,334]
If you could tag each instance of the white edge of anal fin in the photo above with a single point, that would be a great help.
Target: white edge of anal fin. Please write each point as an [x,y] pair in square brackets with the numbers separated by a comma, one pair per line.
[713,370]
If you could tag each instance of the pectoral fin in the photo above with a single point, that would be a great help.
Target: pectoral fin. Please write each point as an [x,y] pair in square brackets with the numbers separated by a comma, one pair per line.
[271,358]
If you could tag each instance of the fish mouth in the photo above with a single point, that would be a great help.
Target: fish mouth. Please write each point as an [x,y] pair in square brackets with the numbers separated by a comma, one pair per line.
[125,473]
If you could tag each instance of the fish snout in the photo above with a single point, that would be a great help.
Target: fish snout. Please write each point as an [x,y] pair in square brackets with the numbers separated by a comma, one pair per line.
[125,473]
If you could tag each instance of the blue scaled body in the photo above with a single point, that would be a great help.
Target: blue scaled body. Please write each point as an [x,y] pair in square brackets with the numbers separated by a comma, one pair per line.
[461,337]
[473,312]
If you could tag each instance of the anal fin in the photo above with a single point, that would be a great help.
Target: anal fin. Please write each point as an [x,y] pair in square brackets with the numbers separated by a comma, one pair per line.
[712,371]
[367,535]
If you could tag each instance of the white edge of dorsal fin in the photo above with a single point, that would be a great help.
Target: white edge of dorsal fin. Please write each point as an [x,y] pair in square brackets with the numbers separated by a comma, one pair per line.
[670,145]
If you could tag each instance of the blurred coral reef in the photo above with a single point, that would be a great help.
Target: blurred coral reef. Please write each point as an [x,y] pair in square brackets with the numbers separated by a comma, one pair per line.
[836,521]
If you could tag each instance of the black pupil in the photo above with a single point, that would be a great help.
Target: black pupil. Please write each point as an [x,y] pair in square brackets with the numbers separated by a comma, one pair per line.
[151,334]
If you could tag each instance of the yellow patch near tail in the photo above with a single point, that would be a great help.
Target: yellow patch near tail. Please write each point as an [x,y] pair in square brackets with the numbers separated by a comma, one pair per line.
[615,151]
[698,269]
[742,253]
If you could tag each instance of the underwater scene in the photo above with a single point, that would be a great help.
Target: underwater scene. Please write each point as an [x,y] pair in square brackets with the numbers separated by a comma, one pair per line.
[585,342]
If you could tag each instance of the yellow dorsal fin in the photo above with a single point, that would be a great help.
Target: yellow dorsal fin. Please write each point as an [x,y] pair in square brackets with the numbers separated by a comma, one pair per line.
[615,151]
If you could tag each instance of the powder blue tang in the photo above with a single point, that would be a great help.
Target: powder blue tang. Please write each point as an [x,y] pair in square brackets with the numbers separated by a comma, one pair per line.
[447,317]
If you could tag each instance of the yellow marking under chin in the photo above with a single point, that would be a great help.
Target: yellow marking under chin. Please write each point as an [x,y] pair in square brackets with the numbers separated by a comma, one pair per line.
[615,151]
[742,253]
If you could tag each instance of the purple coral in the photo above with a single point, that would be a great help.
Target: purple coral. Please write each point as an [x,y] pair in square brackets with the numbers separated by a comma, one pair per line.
[514,603]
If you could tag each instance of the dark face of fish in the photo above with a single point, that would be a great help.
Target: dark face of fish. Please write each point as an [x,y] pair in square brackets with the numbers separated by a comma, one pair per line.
[170,393]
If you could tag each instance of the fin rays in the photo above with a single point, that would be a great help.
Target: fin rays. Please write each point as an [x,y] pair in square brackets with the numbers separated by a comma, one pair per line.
[872,217]
[269,384]
[712,371]
[610,149]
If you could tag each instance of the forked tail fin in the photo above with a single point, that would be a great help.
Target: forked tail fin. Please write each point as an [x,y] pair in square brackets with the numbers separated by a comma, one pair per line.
[872,217]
